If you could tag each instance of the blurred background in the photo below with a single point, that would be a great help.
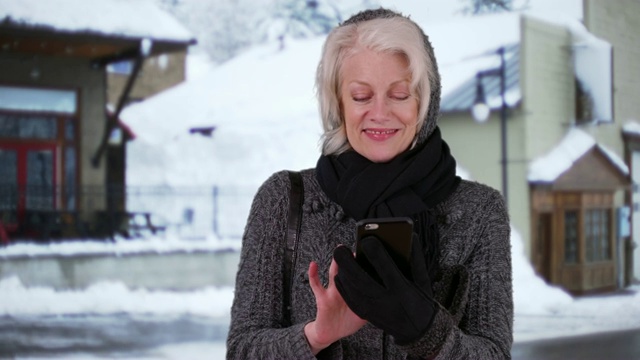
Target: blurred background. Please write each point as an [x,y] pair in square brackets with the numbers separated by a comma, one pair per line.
[134,134]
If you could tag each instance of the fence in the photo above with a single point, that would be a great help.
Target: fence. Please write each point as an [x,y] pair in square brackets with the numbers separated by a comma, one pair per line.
[195,211]
[188,212]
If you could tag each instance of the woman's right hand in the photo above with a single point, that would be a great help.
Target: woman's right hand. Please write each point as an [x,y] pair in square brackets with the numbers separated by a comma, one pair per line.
[334,320]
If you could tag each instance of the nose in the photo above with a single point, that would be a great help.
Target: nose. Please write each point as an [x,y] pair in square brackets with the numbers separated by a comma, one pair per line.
[380,109]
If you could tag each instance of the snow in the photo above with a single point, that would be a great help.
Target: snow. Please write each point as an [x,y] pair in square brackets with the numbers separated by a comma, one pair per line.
[466,45]
[541,311]
[109,17]
[118,247]
[264,100]
[477,40]
[631,127]
[548,167]
[576,143]
[19,300]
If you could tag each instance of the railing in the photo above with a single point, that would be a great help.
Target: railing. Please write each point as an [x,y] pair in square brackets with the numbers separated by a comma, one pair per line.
[46,213]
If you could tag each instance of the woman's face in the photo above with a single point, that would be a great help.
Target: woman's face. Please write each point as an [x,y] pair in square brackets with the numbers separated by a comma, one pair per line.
[380,112]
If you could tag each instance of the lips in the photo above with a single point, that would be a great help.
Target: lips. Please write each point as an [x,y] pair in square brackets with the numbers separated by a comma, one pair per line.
[380,134]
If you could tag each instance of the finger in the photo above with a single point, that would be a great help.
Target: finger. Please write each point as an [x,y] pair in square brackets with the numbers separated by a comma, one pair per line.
[350,297]
[314,280]
[383,263]
[333,271]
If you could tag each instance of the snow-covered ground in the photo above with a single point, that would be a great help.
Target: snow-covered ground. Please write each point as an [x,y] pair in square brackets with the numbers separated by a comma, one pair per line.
[541,311]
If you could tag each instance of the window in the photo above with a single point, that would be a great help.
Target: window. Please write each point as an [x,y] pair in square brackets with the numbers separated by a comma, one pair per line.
[27,126]
[124,67]
[571,237]
[593,66]
[32,99]
[597,227]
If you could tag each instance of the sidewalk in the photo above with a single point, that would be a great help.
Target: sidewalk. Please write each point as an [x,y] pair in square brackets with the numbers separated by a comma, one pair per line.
[585,315]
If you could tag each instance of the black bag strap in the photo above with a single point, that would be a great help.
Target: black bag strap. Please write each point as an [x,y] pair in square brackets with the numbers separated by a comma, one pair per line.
[291,240]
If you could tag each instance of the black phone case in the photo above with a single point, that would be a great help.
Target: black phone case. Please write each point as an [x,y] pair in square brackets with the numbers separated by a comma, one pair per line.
[395,234]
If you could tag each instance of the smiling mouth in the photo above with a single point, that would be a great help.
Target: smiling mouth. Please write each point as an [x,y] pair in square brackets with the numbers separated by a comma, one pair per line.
[380,132]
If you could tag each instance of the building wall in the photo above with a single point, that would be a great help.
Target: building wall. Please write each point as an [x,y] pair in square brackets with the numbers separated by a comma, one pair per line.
[68,73]
[618,23]
[548,85]
[533,128]
[477,149]
[158,73]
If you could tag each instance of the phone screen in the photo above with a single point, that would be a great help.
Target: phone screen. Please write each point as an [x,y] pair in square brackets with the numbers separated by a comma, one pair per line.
[395,234]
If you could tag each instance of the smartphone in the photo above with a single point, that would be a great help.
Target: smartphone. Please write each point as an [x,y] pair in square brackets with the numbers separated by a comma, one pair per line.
[395,234]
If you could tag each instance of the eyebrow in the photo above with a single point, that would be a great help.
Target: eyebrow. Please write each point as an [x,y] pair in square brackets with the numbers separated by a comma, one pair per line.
[367,84]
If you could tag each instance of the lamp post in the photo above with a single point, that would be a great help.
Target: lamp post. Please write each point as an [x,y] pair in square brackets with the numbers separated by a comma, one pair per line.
[480,112]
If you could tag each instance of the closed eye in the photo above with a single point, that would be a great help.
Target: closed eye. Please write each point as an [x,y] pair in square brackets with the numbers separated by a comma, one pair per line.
[361,98]
[400,97]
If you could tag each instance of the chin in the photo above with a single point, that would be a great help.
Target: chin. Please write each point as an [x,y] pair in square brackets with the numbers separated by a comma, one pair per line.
[380,157]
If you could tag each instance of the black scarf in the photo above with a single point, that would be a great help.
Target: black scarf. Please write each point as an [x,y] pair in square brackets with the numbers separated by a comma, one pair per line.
[409,185]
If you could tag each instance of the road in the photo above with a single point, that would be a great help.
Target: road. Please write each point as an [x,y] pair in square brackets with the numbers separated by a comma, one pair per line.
[138,337]
[102,336]
[619,345]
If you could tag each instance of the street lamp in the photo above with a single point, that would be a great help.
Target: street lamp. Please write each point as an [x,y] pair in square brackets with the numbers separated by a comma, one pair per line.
[480,112]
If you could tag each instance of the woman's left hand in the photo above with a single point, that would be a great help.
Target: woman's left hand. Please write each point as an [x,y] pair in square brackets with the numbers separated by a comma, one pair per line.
[334,320]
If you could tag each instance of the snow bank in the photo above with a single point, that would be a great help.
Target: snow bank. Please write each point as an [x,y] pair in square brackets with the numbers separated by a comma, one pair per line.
[111,298]
[119,247]
[531,294]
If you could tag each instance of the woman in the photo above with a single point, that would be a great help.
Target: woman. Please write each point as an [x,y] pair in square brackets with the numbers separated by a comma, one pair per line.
[379,92]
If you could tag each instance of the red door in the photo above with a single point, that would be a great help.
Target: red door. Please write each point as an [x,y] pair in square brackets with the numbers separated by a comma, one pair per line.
[28,180]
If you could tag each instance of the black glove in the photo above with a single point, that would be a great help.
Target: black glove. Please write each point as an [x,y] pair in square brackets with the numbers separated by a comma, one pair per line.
[403,308]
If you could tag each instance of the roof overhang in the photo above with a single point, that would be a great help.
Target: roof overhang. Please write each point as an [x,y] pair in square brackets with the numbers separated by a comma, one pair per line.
[99,48]
[592,171]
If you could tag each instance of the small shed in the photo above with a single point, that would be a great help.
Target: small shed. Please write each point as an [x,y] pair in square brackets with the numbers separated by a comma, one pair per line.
[576,191]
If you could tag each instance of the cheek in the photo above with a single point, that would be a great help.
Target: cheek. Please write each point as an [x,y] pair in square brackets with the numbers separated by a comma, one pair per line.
[352,116]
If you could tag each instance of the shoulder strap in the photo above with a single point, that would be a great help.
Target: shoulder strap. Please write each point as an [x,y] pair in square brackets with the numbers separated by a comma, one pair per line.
[291,241]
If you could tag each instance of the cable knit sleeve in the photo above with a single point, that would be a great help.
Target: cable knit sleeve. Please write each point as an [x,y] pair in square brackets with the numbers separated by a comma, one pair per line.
[256,330]
[476,322]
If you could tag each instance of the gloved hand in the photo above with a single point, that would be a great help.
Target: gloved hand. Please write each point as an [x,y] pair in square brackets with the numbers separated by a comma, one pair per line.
[403,308]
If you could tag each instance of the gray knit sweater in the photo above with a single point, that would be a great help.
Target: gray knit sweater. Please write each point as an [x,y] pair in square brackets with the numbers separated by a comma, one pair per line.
[474,292]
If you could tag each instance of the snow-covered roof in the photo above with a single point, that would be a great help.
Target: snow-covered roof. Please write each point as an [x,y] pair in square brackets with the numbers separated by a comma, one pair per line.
[468,45]
[631,127]
[483,35]
[573,146]
[463,97]
[122,18]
